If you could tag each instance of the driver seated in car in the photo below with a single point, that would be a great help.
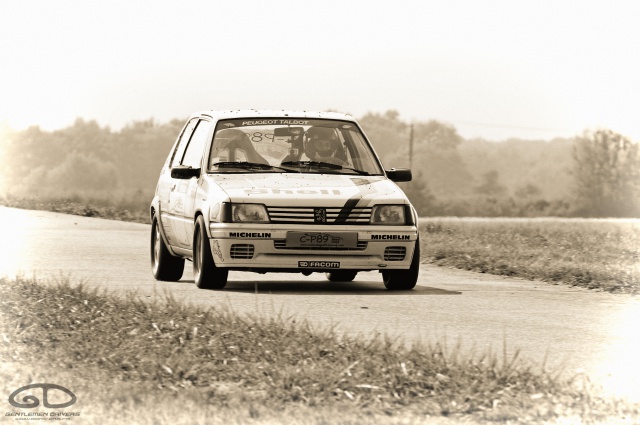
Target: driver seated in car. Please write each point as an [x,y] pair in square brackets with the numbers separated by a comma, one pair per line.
[322,144]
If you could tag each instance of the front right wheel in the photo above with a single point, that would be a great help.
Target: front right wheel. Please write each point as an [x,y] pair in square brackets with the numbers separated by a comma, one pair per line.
[205,272]
[404,280]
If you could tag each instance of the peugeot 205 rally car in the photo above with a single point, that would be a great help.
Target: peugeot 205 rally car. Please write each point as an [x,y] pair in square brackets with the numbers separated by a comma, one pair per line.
[278,191]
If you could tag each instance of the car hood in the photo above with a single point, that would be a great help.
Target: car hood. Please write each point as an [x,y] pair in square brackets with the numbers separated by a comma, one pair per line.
[309,189]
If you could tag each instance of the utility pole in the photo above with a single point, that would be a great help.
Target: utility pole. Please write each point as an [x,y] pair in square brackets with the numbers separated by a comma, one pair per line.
[411,146]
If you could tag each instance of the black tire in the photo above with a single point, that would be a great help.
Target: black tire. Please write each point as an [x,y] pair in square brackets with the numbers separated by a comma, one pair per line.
[164,266]
[205,272]
[404,280]
[341,276]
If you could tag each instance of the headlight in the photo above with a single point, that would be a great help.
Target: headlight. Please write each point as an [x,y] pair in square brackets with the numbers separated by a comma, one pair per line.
[249,213]
[388,214]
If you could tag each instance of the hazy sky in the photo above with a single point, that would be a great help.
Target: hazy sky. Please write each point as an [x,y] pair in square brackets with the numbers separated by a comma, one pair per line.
[493,69]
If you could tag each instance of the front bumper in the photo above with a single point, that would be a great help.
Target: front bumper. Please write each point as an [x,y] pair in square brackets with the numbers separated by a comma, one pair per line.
[259,248]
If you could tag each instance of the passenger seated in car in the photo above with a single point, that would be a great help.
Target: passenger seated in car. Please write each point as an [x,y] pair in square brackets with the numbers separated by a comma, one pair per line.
[235,146]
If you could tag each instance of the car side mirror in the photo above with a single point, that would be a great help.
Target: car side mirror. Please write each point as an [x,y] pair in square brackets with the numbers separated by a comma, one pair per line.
[184,172]
[399,175]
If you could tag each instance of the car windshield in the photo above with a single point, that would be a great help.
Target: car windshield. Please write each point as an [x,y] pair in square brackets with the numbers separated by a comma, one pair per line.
[297,145]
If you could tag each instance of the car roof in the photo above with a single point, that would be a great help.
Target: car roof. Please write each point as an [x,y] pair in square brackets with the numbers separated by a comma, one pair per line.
[264,113]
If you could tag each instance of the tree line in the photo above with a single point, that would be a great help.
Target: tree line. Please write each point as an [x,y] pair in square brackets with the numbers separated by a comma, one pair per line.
[596,174]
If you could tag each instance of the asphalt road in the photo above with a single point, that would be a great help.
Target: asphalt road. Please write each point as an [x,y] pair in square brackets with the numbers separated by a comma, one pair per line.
[583,332]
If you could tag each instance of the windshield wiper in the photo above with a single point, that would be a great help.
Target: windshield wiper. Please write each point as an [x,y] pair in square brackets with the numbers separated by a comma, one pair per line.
[319,164]
[361,172]
[245,164]
[326,165]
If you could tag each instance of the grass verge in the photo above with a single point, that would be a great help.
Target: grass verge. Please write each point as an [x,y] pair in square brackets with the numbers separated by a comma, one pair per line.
[166,363]
[594,254]
[127,209]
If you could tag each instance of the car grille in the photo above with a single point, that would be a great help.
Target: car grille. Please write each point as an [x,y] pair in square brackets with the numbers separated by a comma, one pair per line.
[395,253]
[307,215]
[242,251]
[282,244]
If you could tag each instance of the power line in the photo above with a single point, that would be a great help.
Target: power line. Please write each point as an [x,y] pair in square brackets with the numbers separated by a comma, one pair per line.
[513,127]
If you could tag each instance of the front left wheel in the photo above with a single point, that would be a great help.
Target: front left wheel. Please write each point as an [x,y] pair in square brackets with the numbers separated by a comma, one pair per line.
[404,280]
[163,265]
[205,272]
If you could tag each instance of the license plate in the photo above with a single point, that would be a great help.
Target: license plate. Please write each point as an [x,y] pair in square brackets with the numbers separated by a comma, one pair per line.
[322,240]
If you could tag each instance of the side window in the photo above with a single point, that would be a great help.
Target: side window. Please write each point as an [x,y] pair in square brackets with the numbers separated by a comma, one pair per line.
[193,155]
[184,139]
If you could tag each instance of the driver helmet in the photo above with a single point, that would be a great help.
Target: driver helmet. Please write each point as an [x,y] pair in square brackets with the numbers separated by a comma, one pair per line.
[321,142]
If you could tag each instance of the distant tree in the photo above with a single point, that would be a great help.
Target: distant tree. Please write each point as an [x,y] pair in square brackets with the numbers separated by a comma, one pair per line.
[82,173]
[142,149]
[388,134]
[437,135]
[490,185]
[435,152]
[87,159]
[438,169]
[419,194]
[83,136]
[528,191]
[19,156]
[607,174]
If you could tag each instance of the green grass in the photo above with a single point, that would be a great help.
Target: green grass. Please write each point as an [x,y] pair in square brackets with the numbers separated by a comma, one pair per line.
[594,254]
[165,362]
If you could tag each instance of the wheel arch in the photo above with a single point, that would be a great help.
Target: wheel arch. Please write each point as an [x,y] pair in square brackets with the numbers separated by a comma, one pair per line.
[198,214]
[153,214]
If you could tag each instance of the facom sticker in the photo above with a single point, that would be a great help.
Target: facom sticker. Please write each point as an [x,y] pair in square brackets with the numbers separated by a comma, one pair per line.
[319,264]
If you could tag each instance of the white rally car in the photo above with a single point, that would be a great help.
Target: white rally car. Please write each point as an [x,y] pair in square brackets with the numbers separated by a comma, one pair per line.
[279,191]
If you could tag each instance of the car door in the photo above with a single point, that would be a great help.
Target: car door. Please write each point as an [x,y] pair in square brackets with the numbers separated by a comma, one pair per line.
[185,191]
[167,185]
